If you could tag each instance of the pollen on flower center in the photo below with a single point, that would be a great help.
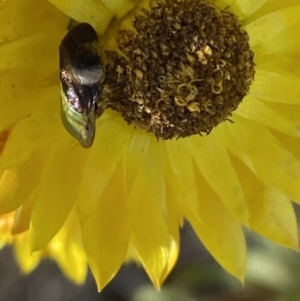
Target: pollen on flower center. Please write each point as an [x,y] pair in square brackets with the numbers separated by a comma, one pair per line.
[184,69]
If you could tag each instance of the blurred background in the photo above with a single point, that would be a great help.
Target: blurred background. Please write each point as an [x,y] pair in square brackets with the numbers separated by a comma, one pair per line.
[273,274]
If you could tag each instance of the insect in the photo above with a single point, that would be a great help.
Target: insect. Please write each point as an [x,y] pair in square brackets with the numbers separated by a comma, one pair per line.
[81,78]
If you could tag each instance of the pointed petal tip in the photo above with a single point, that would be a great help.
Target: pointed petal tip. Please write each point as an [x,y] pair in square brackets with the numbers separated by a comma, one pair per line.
[290,243]
[100,281]
[157,285]
[238,272]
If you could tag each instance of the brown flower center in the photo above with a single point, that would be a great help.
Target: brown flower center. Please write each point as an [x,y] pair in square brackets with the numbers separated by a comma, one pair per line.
[184,69]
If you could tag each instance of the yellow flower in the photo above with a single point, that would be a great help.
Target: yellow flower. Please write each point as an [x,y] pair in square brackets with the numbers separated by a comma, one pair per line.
[127,195]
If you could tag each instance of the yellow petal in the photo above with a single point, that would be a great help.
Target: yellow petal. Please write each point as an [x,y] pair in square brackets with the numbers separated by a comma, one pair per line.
[290,143]
[277,63]
[44,17]
[270,25]
[54,199]
[218,231]
[245,8]
[67,250]
[276,87]
[8,184]
[171,259]
[26,259]
[20,93]
[137,148]
[110,142]
[24,185]
[288,42]
[6,222]
[134,155]
[174,220]
[214,164]
[22,216]
[31,132]
[106,231]
[182,168]
[273,216]
[274,5]
[271,212]
[264,114]
[261,152]
[120,8]
[33,51]
[91,11]
[148,216]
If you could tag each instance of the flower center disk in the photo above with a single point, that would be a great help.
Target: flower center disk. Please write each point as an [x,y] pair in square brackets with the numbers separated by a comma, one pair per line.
[184,69]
